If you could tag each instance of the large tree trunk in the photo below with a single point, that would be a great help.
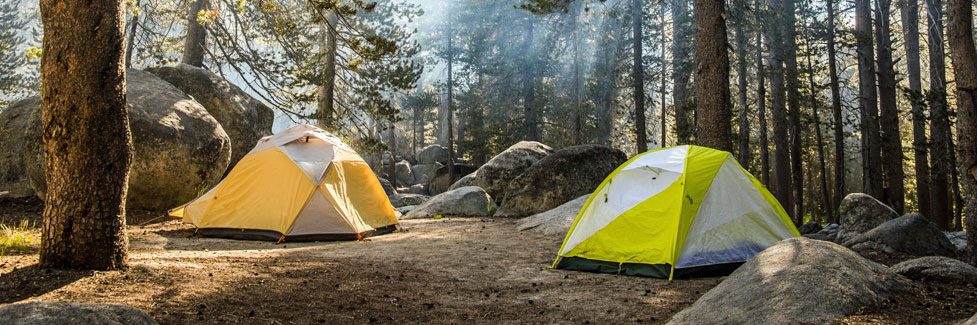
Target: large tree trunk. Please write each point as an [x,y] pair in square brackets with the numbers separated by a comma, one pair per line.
[196,41]
[325,109]
[744,116]
[87,146]
[131,38]
[825,197]
[638,78]
[964,57]
[664,67]
[793,102]
[761,95]
[940,212]
[910,32]
[867,100]
[955,189]
[576,119]
[712,64]
[839,123]
[451,110]
[889,112]
[530,126]
[681,70]
[605,76]
[781,160]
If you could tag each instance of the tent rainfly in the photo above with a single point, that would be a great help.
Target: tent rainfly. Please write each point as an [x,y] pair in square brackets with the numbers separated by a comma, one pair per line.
[674,211]
[301,184]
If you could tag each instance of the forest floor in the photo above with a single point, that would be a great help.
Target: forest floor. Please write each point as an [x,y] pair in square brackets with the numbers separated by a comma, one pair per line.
[451,270]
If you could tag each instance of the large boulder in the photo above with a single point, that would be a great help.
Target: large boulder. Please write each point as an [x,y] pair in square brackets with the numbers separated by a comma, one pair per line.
[404,175]
[971,321]
[440,183]
[388,188]
[417,189]
[469,201]
[861,212]
[43,312]
[405,199]
[910,234]
[432,154]
[423,172]
[494,176]
[809,228]
[559,177]
[828,233]
[937,268]
[556,221]
[180,151]
[13,173]
[245,119]
[796,281]
[959,239]
[468,180]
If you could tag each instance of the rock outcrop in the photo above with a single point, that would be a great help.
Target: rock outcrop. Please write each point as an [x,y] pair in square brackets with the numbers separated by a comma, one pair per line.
[911,234]
[432,154]
[796,281]
[42,312]
[405,199]
[180,150]
[556,221]
[938,268]
[244,118]
[439,182]
[13,172]
[496,174]
[559,177]
[861,212]
[469,201]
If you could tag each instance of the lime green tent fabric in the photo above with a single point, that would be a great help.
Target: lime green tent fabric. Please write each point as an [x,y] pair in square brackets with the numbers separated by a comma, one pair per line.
[674,209]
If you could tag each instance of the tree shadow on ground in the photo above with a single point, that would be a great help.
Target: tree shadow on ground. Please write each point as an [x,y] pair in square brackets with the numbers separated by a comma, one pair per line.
[34,280]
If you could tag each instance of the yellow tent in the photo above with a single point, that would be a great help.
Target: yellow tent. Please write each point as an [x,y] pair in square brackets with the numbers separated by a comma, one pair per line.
[300,184]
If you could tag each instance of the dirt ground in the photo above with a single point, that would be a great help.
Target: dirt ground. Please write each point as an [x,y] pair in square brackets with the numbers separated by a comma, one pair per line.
[452,270]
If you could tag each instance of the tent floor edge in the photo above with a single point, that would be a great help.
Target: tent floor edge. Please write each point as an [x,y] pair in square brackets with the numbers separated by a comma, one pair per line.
[660,271]
[274,236]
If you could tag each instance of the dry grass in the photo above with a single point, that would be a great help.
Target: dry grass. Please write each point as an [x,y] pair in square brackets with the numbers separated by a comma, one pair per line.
[20,238]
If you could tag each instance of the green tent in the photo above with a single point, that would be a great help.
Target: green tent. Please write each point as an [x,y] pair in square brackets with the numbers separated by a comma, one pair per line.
[674,210]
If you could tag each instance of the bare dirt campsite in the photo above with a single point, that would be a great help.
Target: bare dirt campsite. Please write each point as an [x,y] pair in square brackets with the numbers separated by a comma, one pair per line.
[508,161]
[449,270]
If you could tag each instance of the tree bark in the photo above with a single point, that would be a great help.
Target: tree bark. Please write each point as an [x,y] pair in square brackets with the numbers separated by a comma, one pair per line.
[664,67]
[793,103]
[392,167]
[712,64]
[744,116]
[762,112]
[910,31]
[196,41]
[963,54]
[825,197]
[781,160]
[681,70]
[530,126]
[637,78]
[889,112]
[576,119]
[131,38]
[325,109]
[839,122]
[87,144]
[940,211]
[451,110]
[867,101]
